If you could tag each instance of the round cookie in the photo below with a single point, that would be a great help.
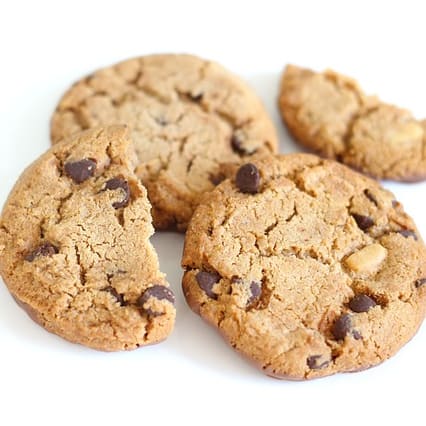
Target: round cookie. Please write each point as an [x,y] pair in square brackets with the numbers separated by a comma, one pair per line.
[329,113]
[306,267]
[75,250]
[187,115]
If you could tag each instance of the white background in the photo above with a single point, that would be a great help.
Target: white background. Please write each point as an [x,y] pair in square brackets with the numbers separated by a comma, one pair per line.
[194,378]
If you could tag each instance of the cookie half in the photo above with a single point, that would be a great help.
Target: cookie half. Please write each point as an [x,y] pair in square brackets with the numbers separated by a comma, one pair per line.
[75,250]
[306,267]
[329,113]
[187,115]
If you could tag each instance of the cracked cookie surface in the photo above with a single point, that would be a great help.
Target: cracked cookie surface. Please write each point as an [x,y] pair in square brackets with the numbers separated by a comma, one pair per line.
[187,115]
[329,113]
[315,270]
[75,250]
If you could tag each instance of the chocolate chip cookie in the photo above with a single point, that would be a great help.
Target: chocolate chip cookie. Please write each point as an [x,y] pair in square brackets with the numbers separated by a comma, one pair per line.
[187,115]
[75,250]
[306,267]
[329,113]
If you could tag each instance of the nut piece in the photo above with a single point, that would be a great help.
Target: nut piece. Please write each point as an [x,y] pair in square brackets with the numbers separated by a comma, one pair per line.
[368,259]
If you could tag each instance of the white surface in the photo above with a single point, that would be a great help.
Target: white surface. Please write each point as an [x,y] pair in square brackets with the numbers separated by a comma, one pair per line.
[194,377]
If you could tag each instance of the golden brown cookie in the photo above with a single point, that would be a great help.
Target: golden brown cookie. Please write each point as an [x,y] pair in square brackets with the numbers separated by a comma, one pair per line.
[187,115]
[306,267]
[329,113]
[75,250]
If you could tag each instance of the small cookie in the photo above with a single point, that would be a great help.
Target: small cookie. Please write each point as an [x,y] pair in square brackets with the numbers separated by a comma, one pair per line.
[75,250]
[306,267]
[187,115]
[330,114]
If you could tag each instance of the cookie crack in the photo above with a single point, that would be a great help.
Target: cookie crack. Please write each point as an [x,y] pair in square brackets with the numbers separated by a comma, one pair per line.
[62,202]
[346,138]
[80,265]
[132,85]
[348,85]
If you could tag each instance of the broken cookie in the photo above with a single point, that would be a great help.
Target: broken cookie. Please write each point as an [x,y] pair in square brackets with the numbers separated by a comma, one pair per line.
[329,113]
[75,245]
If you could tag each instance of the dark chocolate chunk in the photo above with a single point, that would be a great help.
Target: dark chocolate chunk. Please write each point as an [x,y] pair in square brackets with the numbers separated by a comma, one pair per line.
[341,327]
[119,183]
[46,249]
[363,222]
[421,281]
[248,179]
[255,290]
[159,292]
[370,196]
[206,281]
[408,233]
[79,171]
[314,362]
[119,297]
[362,303]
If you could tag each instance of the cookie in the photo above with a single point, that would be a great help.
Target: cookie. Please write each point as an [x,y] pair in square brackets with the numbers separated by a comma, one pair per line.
[75,250]
[306,267]
[329,113]
[187,115]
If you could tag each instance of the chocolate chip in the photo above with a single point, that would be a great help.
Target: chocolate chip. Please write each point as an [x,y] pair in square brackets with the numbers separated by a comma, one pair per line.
[217,179]
[341,327]
[315,364]
[363,222]
[46,249]
[119,297]
[237,145]
[408,233]
[356,334]
[421,281]
[370,196]
[196,98]
[255,290]
[159,292]
[362,303]
[119,183]
[248,179]
[79,171]
[206,281]
[236,280]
